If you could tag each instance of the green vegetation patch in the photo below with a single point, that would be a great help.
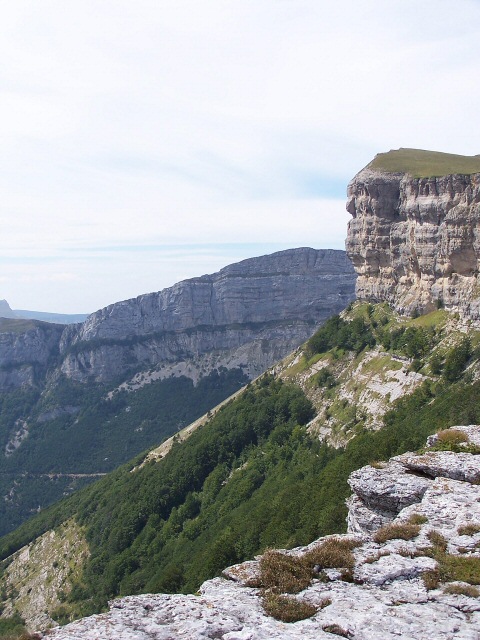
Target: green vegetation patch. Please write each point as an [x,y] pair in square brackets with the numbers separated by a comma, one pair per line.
[425,164]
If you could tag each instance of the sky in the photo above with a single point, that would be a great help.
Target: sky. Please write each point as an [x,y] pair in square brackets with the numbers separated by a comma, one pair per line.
[147,142]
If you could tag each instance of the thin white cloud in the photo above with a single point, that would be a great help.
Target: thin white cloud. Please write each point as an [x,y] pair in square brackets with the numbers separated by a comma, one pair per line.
[224,121]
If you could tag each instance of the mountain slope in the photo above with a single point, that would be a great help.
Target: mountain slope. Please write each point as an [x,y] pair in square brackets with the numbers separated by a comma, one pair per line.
[413,573]
[250,478]
[140,370]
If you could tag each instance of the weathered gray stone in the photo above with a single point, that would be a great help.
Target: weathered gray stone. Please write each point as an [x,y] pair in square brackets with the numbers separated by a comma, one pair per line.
[361,519]
[447,464]
[273,302]
[413,241]
[388,488]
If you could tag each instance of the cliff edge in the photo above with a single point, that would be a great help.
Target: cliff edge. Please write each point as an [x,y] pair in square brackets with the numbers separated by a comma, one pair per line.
[414,237]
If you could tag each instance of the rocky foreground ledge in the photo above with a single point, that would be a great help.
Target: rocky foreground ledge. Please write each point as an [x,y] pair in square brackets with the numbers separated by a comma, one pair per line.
[411,562]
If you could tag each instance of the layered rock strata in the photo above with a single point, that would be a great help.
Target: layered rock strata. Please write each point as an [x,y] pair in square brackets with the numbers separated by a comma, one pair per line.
[415,241]
[247,315]
[384,596]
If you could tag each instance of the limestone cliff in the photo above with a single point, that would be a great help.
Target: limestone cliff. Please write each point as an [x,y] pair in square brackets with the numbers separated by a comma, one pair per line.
[414,237]
[249,314]
[27,348]
[271,303]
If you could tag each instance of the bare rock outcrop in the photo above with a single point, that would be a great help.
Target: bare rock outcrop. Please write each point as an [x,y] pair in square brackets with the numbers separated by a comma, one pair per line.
[414,578]
[415,241]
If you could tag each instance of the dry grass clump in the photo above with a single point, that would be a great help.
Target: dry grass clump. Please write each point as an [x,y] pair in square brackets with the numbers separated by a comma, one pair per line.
[287,609]
[452,436]
[462,590]
[469,529]
[438,541]
[394,531]
[417,518]
[450,568]
[376,556]
[431,579]
[333,553]
[281,573]
[378,464]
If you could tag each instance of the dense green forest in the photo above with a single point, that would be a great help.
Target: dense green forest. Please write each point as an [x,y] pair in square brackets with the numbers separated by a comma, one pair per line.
[250,478]
[96,435]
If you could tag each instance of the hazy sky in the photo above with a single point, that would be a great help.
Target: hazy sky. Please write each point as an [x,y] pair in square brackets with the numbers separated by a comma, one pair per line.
[147,141]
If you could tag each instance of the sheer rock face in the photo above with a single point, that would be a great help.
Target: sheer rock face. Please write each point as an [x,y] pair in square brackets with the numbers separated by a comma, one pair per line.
[383,598]
[250,314]
[273,302]
[415,242]
[26,349]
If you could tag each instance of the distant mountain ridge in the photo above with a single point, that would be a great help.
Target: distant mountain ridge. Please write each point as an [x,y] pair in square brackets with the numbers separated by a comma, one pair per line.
[45,316]
[249,314]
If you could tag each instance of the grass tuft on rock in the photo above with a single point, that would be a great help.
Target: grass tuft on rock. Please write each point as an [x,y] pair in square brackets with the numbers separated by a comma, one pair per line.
[439,542]
[333,553]
[289,609]
[469,529]
[462,590]
[397,531]
[281,573]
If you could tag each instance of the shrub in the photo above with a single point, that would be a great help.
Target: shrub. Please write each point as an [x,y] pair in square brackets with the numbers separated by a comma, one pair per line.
[416,365]
[284,574]
[393,531]
[325,378]
[333,553]
[436,364]
[288,609]
[456,360]
[469,529]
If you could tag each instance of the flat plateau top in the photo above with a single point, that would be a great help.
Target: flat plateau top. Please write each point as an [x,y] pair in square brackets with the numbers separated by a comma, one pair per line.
[425,164]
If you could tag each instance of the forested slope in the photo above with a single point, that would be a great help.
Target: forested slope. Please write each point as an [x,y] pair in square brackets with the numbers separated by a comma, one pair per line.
[255,476]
